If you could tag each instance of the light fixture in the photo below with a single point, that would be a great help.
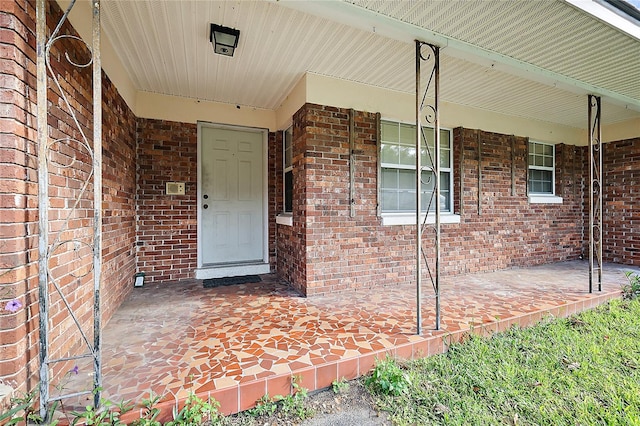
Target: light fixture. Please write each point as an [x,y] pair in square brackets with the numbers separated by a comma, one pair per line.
[224,39]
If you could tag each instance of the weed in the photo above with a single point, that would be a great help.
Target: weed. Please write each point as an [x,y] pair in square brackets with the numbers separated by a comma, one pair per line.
[340,386]
[107,415]
[195,412]
[150,412]
[265,406]
[294,405]
[388,378]
[631,290]
[22,410]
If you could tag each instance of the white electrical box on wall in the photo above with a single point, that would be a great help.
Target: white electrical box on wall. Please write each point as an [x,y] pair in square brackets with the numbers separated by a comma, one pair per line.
[175,188]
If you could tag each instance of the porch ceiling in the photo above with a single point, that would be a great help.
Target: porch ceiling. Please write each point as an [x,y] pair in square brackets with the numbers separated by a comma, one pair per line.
[164,46]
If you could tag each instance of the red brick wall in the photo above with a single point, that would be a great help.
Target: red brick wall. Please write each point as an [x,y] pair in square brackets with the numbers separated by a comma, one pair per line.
[18,192]
[18,195]
[119,192]
[167,225]
[346,253]
[621,202]
[291,240]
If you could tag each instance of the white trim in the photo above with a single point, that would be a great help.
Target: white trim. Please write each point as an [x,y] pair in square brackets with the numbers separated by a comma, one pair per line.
[203,273]
[241,269]
[389,219]
[284,219]
[544,199]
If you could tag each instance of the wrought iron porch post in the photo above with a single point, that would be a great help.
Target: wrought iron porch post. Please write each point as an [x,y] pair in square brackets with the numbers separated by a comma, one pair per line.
[595,193]
[46,281]
[43,203]
[418,195]
[430,113]
[97,202]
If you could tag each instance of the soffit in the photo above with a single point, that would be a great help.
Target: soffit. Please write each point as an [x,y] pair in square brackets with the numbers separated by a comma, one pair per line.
[164,46]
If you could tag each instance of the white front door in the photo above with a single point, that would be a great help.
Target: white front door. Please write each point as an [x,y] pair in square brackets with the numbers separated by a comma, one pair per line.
[231,196]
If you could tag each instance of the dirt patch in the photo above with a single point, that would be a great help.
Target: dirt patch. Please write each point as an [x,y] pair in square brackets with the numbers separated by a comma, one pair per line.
[351,406]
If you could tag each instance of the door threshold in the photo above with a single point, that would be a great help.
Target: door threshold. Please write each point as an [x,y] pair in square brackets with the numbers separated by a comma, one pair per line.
[207,272]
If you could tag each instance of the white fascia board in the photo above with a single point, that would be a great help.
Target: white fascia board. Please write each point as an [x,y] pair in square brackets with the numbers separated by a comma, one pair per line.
[367,20]
[607,16]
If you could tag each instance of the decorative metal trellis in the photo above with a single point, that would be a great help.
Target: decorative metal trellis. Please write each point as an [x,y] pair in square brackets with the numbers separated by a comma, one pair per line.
[427,112]
[67,236]
[595,193]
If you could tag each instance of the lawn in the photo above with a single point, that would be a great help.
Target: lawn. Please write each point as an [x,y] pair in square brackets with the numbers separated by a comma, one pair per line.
[584,370]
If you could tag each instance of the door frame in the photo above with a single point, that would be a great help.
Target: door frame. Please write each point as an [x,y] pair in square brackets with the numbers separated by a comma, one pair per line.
[204,272]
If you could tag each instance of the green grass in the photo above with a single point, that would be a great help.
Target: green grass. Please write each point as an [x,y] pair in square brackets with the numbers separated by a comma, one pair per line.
[584,370]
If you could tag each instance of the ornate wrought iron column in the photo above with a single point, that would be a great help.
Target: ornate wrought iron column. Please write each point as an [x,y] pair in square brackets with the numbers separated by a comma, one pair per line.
[595,193]
[67,237]
[427,113]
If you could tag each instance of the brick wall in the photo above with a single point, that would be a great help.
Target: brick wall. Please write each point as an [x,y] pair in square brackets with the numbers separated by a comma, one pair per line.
[291,240]
[70,263]
[347,253]
[18,194]
[621,202]
[167,225]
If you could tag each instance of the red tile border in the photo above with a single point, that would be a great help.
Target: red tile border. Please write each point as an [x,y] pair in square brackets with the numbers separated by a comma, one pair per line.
[279,385]
[348,369]
[251,392]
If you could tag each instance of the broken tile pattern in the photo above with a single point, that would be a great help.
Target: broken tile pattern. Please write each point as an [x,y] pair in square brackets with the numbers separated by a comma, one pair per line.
[177,338]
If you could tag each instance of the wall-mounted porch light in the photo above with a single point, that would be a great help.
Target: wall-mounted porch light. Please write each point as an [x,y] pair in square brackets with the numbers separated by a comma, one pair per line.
[224,39]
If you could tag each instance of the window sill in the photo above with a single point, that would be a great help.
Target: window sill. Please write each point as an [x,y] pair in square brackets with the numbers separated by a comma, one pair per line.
[544,199]
[284,219]
[389,219]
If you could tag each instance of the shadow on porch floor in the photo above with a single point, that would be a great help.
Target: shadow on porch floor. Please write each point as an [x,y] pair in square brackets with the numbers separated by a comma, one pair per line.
[238,343]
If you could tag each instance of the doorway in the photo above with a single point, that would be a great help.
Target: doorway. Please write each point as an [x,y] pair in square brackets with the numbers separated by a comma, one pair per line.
[232,204]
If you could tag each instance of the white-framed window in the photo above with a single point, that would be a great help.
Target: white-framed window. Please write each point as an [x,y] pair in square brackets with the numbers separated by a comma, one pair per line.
[287,169]
[541,168]
[398,169]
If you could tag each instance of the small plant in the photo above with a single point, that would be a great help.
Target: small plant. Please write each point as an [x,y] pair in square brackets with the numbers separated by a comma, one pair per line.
[22,410]
[388,378]
[107,415]
[294,405]
[195,412]
[340,386]
[150,412]
[265,406]
[631,290]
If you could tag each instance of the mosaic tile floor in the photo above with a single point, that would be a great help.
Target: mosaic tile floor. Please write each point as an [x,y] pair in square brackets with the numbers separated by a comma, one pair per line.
[239,342]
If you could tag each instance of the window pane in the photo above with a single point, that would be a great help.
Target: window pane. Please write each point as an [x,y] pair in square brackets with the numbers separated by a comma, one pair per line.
[444,181]
[288,191]
[548,161]
[407,134]
[389,154]
[389,132]
[445,161]
[390,179]
[407,200]
[407,179]
[288,147]
[540,182]
[427,181]
[389,200]
[547,150]
[407,155]
[444,139]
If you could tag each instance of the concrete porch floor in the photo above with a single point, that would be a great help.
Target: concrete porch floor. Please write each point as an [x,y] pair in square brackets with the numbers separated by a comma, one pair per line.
[238,343]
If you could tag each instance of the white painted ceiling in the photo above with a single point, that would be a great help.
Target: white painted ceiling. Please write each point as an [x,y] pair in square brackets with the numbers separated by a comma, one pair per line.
[164,46]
